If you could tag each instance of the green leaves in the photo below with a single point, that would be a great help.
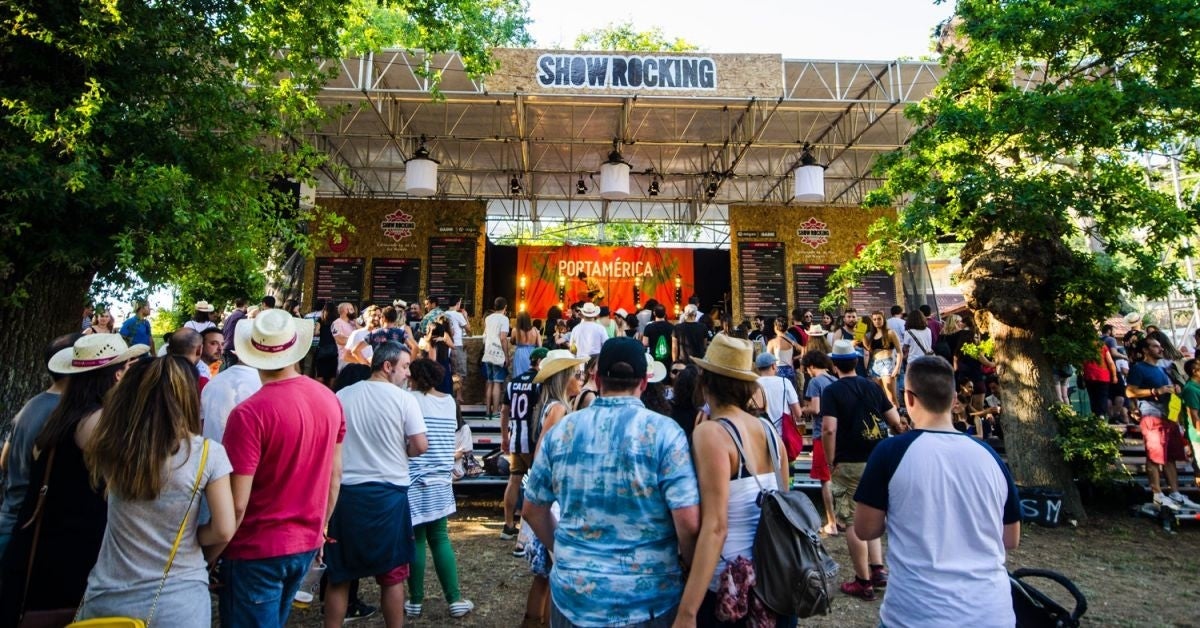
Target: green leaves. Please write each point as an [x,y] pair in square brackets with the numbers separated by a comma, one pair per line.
[625,36]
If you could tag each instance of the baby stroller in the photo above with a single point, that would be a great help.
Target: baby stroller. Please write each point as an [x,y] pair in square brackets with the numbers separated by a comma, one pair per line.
[1035,609]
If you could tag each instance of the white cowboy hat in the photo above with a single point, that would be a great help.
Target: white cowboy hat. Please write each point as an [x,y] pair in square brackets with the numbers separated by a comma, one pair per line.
[555,361]
[816,330]
[272,340]
[203,306]
[400,303]
[731,357]
[1133,318]
[621,312]
[843,349]
[94,351]
[655,370]
[590,310]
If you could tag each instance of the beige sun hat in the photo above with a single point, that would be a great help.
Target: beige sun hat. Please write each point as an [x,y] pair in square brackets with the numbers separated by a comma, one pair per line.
[816,330]
[94,351]
[555,361]
[731,357]
[203,306]
[655,370]
[590,310]
[272,340]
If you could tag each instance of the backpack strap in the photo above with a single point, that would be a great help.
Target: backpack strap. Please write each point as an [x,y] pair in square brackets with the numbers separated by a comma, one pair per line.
[725,423]
[772,448]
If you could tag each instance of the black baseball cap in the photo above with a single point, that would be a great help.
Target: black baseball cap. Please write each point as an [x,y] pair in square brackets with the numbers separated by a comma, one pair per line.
[622,358]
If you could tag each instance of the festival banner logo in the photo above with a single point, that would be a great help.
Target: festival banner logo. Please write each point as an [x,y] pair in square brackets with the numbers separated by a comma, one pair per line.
[398,225]
[619,272]
[813,232]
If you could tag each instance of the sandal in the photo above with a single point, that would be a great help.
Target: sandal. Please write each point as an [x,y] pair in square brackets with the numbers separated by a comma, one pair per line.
[829,530]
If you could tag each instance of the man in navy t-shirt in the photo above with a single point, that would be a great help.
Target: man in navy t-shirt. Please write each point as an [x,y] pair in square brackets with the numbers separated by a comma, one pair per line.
[951,511]
[1149,385]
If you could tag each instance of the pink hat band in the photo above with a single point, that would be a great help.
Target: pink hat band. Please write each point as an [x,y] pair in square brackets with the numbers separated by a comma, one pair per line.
[95,362]
[273,348]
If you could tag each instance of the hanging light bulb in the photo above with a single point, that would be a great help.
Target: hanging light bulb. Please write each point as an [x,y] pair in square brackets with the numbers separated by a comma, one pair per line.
[420,173]
[809,179]
[614,176]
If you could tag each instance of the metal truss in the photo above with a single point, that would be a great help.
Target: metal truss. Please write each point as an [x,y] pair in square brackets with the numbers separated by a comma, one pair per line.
[705,152]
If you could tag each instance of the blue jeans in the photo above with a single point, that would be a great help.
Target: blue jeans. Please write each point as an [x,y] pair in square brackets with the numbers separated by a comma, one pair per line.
[258,593]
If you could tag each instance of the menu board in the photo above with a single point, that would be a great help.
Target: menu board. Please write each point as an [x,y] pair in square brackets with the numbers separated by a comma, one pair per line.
[877,292]
[764,286]
[452,269]
[395,278]
[811,284]
[338,279]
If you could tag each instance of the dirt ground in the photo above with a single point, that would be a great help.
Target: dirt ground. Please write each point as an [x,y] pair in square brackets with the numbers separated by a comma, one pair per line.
[1132,572]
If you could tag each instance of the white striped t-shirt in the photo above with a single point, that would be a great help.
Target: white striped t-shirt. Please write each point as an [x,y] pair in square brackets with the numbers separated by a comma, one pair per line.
[431,495]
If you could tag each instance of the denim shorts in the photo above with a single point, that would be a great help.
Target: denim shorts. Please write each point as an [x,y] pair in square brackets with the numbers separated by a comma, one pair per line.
[495,372]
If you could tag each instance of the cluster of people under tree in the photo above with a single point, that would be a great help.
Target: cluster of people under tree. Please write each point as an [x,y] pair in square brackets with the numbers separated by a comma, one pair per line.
[247,474]
[1144,379]
[219,465]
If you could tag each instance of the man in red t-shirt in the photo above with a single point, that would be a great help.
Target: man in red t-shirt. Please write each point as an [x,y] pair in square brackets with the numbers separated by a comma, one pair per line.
[284,443]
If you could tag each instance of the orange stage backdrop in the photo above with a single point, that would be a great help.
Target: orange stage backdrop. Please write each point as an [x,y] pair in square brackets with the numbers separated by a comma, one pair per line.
[618,270]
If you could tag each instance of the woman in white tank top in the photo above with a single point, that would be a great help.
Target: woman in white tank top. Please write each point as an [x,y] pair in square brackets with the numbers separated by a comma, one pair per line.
[729,485]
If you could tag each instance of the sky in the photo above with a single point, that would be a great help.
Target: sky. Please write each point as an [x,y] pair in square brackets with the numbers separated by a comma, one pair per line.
[859,30]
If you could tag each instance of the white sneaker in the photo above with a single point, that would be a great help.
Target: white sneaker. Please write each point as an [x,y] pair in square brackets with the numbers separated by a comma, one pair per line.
[1182,500]
[461,607]
[1162,499]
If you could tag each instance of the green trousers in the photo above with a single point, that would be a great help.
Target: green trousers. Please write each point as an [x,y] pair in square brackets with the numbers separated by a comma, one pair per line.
[436,535]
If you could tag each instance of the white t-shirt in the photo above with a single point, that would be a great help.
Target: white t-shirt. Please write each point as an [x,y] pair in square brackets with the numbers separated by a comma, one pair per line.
[495,327]
[379,419]
[222,394]
[897,325]
[916,351]
[775,388]
[458,323]
[588,337]
[199,327]
[953,484]
[359,337]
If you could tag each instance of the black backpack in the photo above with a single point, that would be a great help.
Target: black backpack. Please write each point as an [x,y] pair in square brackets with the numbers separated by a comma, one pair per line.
[794,575]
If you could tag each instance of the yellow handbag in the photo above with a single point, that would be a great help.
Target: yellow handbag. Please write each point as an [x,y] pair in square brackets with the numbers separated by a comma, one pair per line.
[133,622]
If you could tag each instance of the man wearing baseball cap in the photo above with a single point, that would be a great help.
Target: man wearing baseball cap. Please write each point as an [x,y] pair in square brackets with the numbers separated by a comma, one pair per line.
[285,445]
[648,503]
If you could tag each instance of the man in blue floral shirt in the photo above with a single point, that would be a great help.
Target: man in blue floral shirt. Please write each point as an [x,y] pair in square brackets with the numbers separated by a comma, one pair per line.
[624,481]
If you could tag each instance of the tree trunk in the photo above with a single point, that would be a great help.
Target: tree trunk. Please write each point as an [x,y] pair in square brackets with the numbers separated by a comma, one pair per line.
[1027,382]
[54,307]
[1007,281]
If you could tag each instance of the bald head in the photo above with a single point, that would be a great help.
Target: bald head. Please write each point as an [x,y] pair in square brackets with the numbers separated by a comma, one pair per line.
[185,343]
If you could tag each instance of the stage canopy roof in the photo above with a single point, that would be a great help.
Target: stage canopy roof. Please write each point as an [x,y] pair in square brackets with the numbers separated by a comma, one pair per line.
[734,140]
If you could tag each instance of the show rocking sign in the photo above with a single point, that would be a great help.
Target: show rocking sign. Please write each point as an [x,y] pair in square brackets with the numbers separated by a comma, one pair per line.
[608,71]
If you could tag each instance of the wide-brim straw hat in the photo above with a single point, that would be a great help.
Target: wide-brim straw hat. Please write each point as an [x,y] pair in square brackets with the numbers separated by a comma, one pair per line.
[816,330]
[272,340]
[554,362]
[94,351]
[655,371]
[590,310]
[731,357]
[1133,318]
[844,350]
[203,306]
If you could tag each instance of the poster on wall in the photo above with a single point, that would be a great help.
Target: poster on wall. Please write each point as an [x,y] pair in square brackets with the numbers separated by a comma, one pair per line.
[811,284]
[764,287]
[452,269]
[338,280]
[613,274]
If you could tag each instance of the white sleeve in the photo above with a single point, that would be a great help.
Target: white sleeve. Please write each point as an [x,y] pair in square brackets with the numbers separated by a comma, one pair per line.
[792,397]
[414,421]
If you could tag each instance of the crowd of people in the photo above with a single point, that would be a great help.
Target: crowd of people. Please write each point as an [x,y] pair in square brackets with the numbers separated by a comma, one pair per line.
[636,446]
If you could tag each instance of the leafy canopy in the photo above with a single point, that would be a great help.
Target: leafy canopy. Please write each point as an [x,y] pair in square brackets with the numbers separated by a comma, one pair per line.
[1031,152]
[142,137]
[625,36]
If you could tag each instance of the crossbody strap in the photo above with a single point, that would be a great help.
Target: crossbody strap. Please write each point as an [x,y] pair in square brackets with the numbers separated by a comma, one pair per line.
[918,341]
[179,534]
[36,522]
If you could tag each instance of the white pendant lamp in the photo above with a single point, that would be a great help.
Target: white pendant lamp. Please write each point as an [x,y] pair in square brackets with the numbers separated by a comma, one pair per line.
[809,179]
[614,177]
[420,173]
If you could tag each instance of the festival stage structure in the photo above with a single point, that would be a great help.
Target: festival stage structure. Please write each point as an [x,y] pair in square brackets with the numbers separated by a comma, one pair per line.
[764,158]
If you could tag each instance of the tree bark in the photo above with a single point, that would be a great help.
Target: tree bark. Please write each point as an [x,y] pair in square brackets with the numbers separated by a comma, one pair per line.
[54,307]
[1007,281]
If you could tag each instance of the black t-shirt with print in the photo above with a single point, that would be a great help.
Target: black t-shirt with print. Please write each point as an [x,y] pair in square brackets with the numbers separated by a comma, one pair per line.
[859,406]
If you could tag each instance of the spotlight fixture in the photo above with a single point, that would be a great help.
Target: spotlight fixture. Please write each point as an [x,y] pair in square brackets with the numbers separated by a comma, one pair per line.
[711,190]
[581,187]
[809,178]
[653,189]
[514,185]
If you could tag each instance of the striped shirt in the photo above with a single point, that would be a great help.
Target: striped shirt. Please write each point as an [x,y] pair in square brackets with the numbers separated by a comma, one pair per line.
[431,495]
